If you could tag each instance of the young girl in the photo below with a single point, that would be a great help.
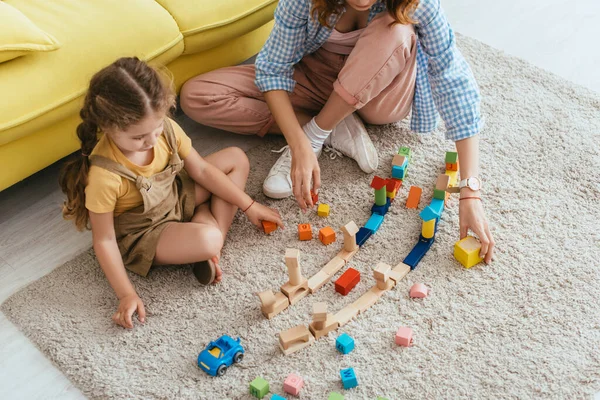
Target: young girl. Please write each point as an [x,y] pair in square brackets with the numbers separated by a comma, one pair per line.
[148,195]
[327,66]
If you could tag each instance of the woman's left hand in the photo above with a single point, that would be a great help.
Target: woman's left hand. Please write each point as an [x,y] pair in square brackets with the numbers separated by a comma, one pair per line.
[472,216]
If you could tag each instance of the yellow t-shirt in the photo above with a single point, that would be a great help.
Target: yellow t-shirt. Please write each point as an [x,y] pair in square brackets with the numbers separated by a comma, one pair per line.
[107,191]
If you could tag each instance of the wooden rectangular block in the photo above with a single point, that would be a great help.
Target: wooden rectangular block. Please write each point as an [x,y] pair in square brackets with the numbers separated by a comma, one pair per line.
[347,255]
[280,303]
[414,197]
[292,258]
[295,339]
[295,292]
[398,160]
[399,272]
[365,301]
[317,281]
[443,181]
[320,311]
[345,315]
[330,324]
[334,265]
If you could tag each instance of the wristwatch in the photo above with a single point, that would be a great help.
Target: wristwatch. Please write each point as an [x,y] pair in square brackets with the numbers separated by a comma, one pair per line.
[473,183]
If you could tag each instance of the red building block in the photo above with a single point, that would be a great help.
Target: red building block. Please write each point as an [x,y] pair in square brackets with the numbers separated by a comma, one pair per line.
[347,281]
[377,183]
[269,226]
[314,197]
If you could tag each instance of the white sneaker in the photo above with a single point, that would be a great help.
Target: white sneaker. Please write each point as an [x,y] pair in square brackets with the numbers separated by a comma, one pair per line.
[350,137]
[278,184]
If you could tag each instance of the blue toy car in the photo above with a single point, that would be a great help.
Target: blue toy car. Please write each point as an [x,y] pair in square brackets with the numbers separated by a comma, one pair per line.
[219,355]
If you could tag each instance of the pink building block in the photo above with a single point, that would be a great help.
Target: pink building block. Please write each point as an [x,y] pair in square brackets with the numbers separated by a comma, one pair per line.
[419,290]
[404,337]
[292,384]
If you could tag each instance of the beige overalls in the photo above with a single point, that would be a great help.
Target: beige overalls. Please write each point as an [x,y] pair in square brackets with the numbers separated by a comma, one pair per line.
[169,197]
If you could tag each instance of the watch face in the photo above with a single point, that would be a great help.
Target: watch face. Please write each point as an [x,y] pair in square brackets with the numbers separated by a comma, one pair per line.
[473,184]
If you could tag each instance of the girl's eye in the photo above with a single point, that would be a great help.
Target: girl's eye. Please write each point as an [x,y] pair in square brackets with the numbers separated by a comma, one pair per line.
[138,138]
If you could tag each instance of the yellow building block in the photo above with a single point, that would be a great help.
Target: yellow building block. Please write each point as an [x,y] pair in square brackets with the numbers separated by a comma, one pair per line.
[466,251]
[453,177]
[323,210]
[428,229]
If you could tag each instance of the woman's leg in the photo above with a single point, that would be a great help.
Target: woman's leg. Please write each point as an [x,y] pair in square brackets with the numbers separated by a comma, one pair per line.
[202,238]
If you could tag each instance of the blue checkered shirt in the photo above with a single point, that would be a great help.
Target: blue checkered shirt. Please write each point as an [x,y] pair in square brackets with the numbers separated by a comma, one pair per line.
[444,82]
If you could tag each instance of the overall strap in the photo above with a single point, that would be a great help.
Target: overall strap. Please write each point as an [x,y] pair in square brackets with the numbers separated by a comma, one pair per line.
[121,170]
[170,135]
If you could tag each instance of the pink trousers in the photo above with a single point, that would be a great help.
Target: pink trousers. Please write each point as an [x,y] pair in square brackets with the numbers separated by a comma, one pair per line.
[377,78]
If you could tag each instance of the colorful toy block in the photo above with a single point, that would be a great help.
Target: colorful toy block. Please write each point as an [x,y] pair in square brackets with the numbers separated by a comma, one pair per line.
[381,398]
[259,388]
[269,226]
[362,235]
[347,281]
[381,210]
[439,194]
[467,250]
[405,151]
[404,337]
[327,235]
[398,172]
[414,197]
[379,184]
[314,197]
[417,253]
[323,210]
[374,222]
[277,397]
[292,384]
[349,379]
[344,343]
[428,229]
[305,232]
[419,290]
[433,210]
[451,157]
[392,187]
[453,177]
[335,396]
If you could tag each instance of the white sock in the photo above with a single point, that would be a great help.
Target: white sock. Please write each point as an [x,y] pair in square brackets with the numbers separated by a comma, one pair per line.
[315,134]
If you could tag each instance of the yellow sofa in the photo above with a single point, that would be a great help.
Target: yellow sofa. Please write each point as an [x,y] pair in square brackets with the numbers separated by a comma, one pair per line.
[41,92]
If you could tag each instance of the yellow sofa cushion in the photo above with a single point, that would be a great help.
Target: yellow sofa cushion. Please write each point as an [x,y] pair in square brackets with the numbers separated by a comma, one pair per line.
[208,23]
[45,88]
[19,36]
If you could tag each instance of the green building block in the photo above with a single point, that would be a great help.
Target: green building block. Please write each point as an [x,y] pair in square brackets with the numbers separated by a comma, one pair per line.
[439,194]
[381,196]
[259,388]
[451,157]
[381,398]
[335,396]
[405,151]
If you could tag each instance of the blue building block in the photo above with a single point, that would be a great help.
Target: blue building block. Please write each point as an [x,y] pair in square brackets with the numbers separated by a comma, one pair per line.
[349,379]
[344,343]
[277,397]
[381,210]
[398,172]
[437,205]
[374,222]
[362,235]
[415,255]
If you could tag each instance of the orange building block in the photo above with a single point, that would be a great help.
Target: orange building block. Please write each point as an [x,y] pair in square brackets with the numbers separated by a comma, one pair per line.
[327,235]
[452,167]
[414,197]
[347,281]
[269,226]
[314,197]
[304,232]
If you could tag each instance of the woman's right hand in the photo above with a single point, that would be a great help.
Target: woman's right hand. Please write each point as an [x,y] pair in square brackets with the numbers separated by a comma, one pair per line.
[305,174]
[127,306]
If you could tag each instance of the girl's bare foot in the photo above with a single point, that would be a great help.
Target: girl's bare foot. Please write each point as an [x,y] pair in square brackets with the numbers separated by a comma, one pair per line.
[218,271]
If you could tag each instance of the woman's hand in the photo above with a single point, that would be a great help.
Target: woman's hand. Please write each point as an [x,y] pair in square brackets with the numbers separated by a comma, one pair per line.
[258,212]
[472,216]
[305,174]
[127,306]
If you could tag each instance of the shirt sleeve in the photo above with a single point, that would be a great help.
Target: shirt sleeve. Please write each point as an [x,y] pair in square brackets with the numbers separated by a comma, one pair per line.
[184,143]
[284,48]
[102,190]
[455,91]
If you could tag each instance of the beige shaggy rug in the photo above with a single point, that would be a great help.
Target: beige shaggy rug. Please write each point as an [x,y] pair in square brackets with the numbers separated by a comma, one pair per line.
[527,326]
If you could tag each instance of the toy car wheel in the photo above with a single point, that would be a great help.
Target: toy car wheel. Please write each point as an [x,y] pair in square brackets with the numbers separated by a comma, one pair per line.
[239,356]
[221,370]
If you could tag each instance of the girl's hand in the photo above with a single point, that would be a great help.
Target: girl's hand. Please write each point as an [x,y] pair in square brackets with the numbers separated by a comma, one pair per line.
[127,306]
[258,212]
[472,216]
[305,174]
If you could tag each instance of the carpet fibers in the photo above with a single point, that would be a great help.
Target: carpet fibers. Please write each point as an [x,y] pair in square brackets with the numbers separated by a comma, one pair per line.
[528,326]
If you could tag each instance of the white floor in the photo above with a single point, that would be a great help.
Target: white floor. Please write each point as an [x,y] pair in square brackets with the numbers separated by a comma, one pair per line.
[559,36]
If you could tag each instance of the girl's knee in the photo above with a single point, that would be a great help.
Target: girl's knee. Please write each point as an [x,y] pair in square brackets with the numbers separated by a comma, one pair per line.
[239,157]
[211,238]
